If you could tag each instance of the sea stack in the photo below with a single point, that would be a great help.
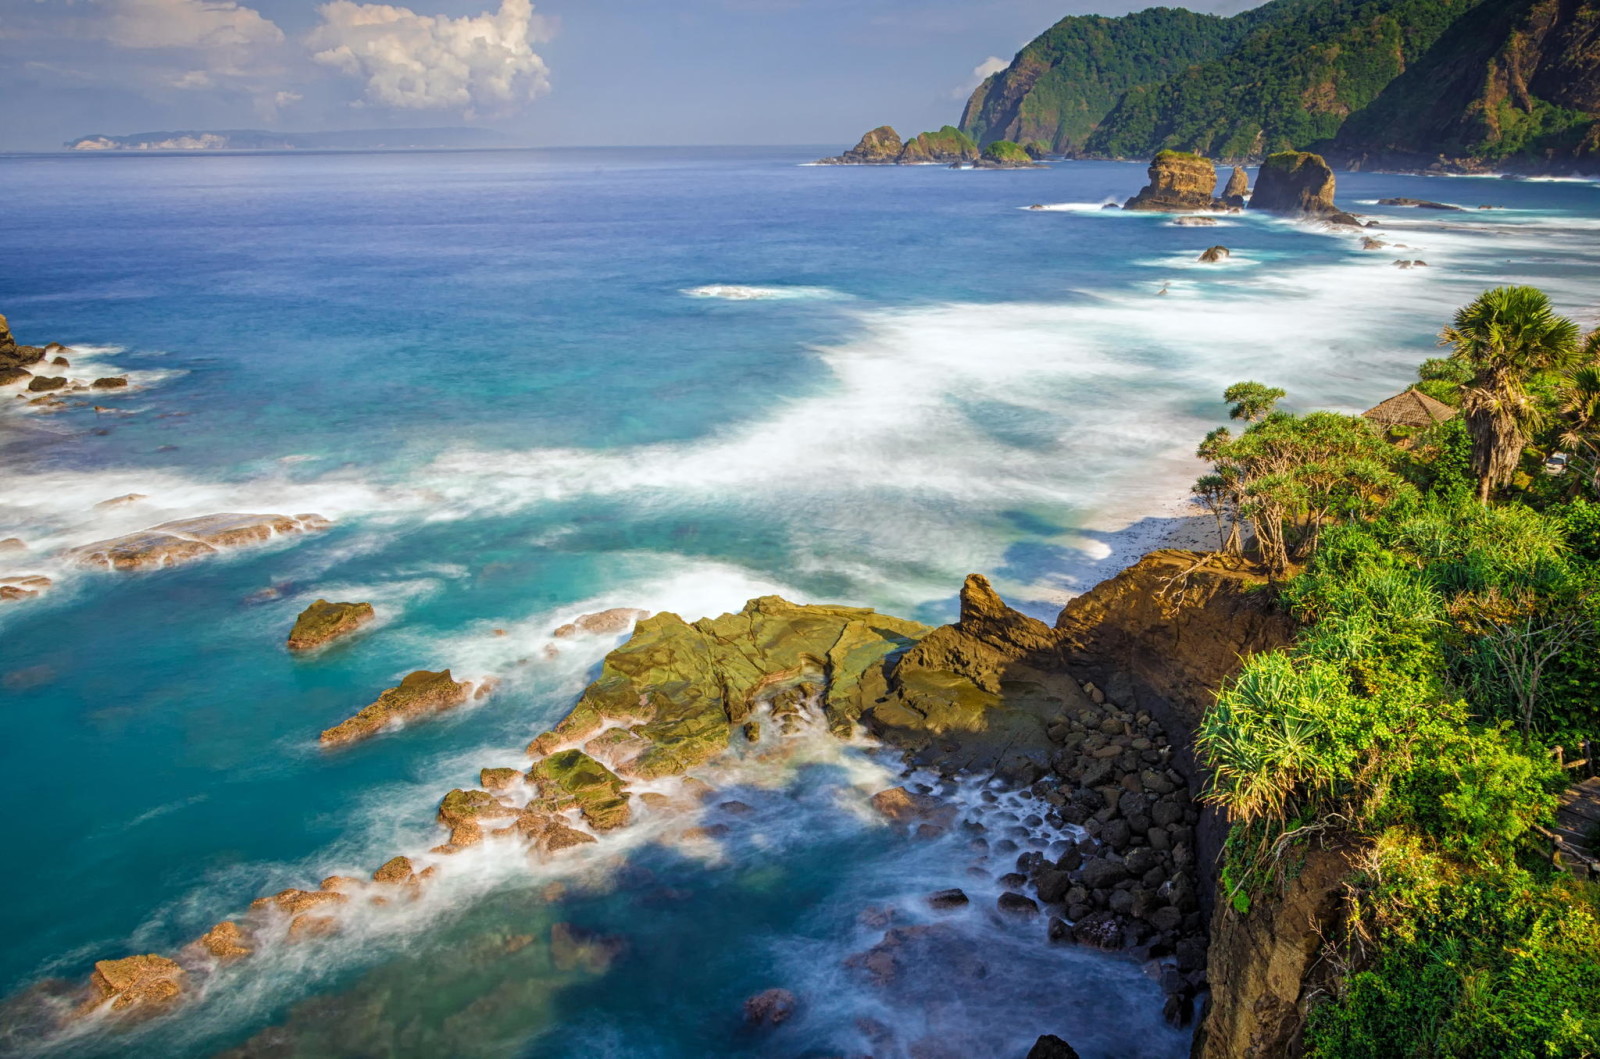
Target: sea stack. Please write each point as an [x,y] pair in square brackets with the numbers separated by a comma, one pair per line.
[881,146]
[1298,184]
[1238,188]
[1179,183]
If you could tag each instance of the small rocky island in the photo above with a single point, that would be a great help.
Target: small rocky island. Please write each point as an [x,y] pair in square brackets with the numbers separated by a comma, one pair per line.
[949,146]
[1292,183]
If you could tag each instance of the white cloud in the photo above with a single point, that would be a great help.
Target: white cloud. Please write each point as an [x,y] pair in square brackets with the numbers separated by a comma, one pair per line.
[203,24]
[423,62]
[980,73]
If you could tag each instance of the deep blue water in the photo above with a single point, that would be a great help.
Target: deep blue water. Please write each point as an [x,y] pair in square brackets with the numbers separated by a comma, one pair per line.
[486,369]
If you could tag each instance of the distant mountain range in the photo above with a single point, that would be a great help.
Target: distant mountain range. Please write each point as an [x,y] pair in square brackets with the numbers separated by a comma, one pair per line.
[1459,84]
[261,140]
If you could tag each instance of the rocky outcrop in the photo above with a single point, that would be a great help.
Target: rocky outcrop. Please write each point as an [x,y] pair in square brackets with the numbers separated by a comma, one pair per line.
[1298,184]
[1265,964]
[1179,182]
[1215,255]
[881,146]
[605,623]
[324,622]
[142,985]
[1238,189]
[1003,154]
[420,694]
[772,1007]
[573,779]
[1421,204]
[185,540]
[25,586]
[15,359]
[948,146]
[670,698]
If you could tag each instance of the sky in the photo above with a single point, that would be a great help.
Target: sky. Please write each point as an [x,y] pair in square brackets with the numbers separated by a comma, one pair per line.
[556,73]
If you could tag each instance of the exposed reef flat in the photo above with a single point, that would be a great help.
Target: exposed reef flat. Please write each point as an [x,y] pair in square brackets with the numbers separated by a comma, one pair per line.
[185,540]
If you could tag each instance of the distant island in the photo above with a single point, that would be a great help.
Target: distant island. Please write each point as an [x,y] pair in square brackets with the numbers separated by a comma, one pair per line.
[1440,85]
[262,140]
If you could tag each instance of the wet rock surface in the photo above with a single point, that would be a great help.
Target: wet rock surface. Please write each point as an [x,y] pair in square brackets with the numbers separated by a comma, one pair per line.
[418,695]
[323,622]
[185,540]
[605,623]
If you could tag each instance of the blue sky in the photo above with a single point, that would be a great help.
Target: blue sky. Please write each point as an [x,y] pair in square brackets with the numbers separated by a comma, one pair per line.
[559,72]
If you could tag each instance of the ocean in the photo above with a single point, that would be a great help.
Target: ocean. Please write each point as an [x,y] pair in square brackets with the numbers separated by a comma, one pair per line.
[528,385]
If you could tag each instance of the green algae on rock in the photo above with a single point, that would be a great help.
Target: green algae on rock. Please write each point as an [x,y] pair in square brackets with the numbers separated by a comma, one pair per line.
[323,622]
[418,694]
[681,688]
[572,778]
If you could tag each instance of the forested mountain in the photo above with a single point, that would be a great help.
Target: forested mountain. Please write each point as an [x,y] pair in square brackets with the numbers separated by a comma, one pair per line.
[1471,80]
[1061,85]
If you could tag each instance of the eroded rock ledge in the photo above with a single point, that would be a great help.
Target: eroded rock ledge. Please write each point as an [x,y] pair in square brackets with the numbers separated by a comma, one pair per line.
[1074,719]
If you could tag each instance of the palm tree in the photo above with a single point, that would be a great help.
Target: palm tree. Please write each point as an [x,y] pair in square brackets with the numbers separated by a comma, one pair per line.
[1504,337]
[1580,401]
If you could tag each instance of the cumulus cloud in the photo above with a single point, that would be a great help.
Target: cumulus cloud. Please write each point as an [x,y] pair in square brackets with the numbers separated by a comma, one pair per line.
[980,73]
[481,63]
[204,24]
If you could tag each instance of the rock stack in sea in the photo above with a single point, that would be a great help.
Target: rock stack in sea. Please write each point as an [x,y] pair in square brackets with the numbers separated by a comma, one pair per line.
[1298,184]
[883,146]
[1179,182]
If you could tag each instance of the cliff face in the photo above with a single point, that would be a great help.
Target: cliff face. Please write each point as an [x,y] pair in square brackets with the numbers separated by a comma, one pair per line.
[1517,81]
[1061,85]
[1265,965]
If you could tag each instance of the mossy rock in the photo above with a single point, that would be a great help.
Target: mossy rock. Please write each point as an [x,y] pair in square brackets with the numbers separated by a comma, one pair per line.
[419,694]
[1007,153]
[323,622]
[571,777]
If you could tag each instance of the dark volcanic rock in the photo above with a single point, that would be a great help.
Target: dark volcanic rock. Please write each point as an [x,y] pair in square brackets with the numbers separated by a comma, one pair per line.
[1051,1047]
[1179,182]
[947,899]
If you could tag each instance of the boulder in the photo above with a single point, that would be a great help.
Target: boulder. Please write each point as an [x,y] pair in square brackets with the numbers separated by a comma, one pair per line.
[1017,905]
[498,779]
[881,146]
[464,813]
[419,694]
[605,623]
[147,982]
[546,833]
[11,374]
[771,1007]
[1179,182]
[225,941]
[1238,188]
[13,544]
[323,622]
[1215,254]
[43,383]
[946,899]
[1296,184]
[570,778]
[1369,243]
[904,807]
[395,871]
[1050,1046]
[110,382]
[185,540]
[1195,222]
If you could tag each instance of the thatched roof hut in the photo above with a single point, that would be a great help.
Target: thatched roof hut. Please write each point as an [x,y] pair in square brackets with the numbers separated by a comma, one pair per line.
[1410,409]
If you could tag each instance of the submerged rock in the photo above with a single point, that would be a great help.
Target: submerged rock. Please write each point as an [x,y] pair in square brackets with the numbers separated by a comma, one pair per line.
[1195,222]
[771,1007]
[323,622]
[1179,182]
[225,941]
[148,984]
[27,586]
[419,694]
[185,540]
[1421,204]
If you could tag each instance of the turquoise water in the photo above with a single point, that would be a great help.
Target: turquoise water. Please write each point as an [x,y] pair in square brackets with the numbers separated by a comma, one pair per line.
[521,385]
